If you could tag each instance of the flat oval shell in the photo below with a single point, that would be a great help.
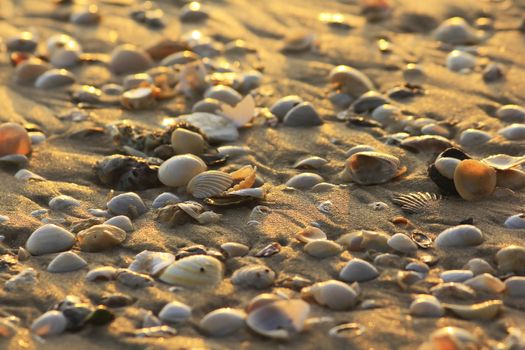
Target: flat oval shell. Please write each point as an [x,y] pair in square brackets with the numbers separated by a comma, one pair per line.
[459,236]
[223,321]
[254,276]
[100,237]
[483,311]
[322,248]
[66,262]
[358,270]
[304,180]
[175,311]
[192,271]
[49,239]
[49,324]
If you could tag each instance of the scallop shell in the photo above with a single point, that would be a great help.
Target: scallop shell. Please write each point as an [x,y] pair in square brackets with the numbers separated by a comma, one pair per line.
[426,306]
[511,259]
[104,273]
[49,324]
[179,170]
[100,237]
[503,161]
[474,180]
[151,263]
[66,262]
[313,162]
[310,234]
[417,202]
[194,270]
[279,320]
[49,239]
[333,294]
[483,311]
[223,321]
[209,183]
[322,248]
[372,168]
[253,276]
[350,80]
[486,283]
[175,311]
[358,270]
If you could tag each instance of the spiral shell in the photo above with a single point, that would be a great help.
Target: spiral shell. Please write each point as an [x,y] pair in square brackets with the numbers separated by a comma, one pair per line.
[194,270]
[209,183]
[372,168]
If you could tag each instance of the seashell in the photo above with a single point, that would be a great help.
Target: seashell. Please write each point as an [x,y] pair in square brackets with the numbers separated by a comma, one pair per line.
[128,172]
[279,320]
[207,105]
[474,180]
[179,170]
[483,311]
[249,192]
[150,320]
[426,143]
[414,75]
[209,183]
[310,234]
[368,101]
[513,132]
[127,59]
[322,248]
[67,56]
[304,180]
[402,243]
[104,273]
[418,266]
[447,166]
[261,300]
[515,221]
[347,330]
[49,239]
[269,250]
[453,290]
[165,199]
[151,263]
[473,138]
[426,306]
[242,113]
[139,98]
[66,262]
[193,12]
[49,324]
[224,94]
[493,72]
[217,128]
[186,141]
[511,259]
[340,100]
[4,219]
[14,160]
[22,42]
[222,322]
[194,270]
[253,276]
[175,312]
[120,221]
[323,187]
[26,175]
[456,31]
[486,283]
[478,266]
[435,129]
[23,280]
[54,78]
[116,300]
[282,106]
[365,240]
[299,41]
[129,204]
[503,161]
[387,260]
[154,332]
[460,61]
[133,81]
[313,162]
[358,270]
[372,168]
[333,294]
[29,70]
[378,205]
[515,286]
[358,149]
[133,279]
[234,249]
[456,275]
[303,114]
[350,80]
[511,113]
[179,58]
[454,338]
[85,15]
[14,139]
[63,202]
[100,237]
[512,178]
[459,236]
[385,113]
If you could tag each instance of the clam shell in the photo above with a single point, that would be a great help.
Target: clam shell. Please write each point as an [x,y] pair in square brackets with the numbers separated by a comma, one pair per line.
[479,266]
[454,290]
[322,248]
[258,192]
[372,168]
[368,101]
[503,161]
[224,94]
[207,105]
[511,178]
[104,273]
[303,114]
[426,306]
[447,166]
[120,221]
[54,78]
[66,57]
[483,311]
[133,279]
[217,128]
[129,204]
[179,170]
[151,263]
[26,175]
[242,113]
[511,259]
[223,321]
[515,286]
[29,70]
[333,294]
[350,80]
[63,202]
[186,141]
[456,275]
[386,113]
[426,143]
[261,300]
[358,149]
[511,113]
[358,270]
[100,237]
[304,180]
[139,98]
[209,183]
[49,239]
[459,236]
[456,31]
[175,311]
[85,15]
[279,320]
[474,180]
[515,221]
[282,106]
[486,283]
[365,240]
[14,139]
[435,129]
[15,160]
[418,266]
[181,57]
[164,199]
[127,59]
[402,243]
[513,132]
[460,61]
[234,249]
[310,234]
[313,162]
[194,270]
[133,81]
[22,42]
[414,75]
[49,324]
[253,276]
[66,262]
[473,138]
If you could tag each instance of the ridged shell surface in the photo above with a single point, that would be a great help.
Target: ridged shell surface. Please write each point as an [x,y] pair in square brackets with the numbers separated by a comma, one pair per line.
[209,183]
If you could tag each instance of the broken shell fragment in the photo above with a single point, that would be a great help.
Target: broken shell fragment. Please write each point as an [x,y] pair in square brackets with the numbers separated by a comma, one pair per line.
[194,270]
[186,141]
[100,237]
[223,321]
[151,263]
[503,161]
[372,168]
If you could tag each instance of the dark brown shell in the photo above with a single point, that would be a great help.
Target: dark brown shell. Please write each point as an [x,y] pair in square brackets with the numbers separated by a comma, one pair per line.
[126,173]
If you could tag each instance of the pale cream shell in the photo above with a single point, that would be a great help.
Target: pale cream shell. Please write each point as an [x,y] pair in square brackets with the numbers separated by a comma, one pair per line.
[223,321]
[209,183]
[195,270]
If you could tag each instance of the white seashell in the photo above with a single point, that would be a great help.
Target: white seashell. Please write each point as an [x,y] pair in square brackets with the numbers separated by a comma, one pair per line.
[242,113]
[151,263]
[369,101]
[371,168]
[350,80]
[186,141]
[209,183]
[322,248]
[325,207]
[175,311]
[435,129]
[333,294]
[426,306]
[515,221]
[313,162]
[224,94]
[365,240]
[511,259]
[511,113]
[129,204]
[66,262]
[37,138]
[513,132]
[54,78]
[120,221]
[460,61]
[21,281]
[234,151]
[263,299]
[310,234]
[303,114]
[207,105]
[459,338]
[473,138]
[257,192]
[63,202]
[104,273]
[60,41]
[216,127]
[515,286]
[280,319]
[26,175]
[29,70]
[139,98]
[385,113]
[447,166]
[49,324]
[414,75]
[164,199]
[459,236]
[253,276]
[418,266]
[282,106]
[503,161]
[358,270]
[486,283]
[127,59]
[223,321]
[304,180]
[179,170]
[234,249]
[456,31]
[456,275]
[49,239]
[483,311]
[402,243]
[454,290]
[359,148]
[323,187]
[479,266]
[194,270]
[4,219]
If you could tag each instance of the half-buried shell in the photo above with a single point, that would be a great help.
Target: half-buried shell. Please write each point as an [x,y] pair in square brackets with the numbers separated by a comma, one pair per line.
[209,183]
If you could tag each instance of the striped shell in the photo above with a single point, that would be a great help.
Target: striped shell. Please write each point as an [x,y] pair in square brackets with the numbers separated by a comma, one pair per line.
[209,183]
[194,270]
[417,202]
